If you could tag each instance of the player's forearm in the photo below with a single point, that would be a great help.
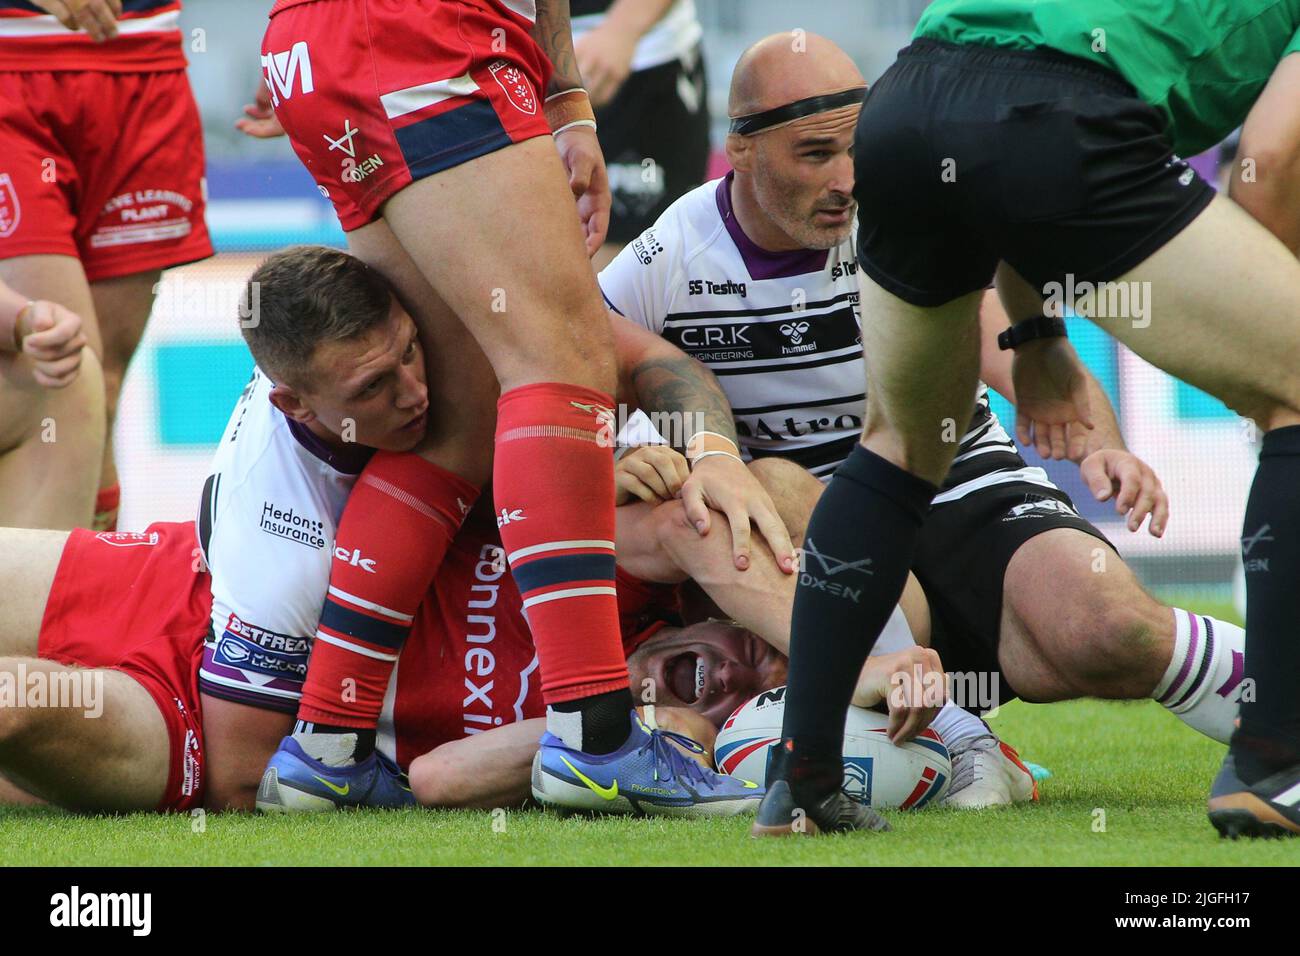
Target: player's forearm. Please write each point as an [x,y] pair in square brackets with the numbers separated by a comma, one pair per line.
[483,772]
[1265,178]
[635,17]
[1105,433]
[667,381]
[758,598]
[554,34]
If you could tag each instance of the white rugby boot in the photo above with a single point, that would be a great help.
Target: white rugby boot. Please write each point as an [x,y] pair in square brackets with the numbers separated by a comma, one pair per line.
[988,773]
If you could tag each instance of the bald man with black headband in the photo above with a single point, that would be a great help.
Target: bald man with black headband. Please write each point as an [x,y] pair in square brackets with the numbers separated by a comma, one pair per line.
[754,275]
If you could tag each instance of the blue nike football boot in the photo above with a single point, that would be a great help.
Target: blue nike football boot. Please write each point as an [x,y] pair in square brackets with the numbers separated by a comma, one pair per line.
[647,775]
[296,783]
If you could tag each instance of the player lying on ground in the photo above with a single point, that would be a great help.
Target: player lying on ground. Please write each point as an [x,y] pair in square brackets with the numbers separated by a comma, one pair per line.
[476,110]
[466,672]
[99,694]
[1040,143]
[754,275]
[341,372]
[108,629]
[101,189]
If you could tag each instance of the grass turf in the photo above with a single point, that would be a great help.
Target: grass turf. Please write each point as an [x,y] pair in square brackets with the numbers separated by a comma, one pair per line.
[1131,768]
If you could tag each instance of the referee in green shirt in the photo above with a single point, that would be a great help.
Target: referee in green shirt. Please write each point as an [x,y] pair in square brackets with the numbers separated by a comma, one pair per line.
[1039,143]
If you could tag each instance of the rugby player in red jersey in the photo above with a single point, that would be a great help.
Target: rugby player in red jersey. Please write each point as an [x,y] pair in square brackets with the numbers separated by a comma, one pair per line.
[453,138]
[107,631]
[101,188]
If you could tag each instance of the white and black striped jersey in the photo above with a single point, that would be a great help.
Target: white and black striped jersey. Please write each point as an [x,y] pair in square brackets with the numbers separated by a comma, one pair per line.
[266,527]
[672,37]
[782,333]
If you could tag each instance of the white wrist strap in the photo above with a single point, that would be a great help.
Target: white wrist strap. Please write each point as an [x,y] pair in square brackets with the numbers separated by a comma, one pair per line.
[581,122]
[691,441]
[707,454]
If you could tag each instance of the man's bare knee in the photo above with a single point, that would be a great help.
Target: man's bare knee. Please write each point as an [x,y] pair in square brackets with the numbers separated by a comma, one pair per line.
[1119,654]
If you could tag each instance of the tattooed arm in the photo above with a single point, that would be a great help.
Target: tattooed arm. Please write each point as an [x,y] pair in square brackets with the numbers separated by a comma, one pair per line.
[657,377]
[554,35]
[577,144]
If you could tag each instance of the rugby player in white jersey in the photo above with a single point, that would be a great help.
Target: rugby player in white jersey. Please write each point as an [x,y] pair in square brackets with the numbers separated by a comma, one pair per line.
[754,275]
[335,381]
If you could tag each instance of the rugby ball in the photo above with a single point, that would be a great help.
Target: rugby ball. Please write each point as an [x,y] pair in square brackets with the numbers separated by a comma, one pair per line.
[876,772]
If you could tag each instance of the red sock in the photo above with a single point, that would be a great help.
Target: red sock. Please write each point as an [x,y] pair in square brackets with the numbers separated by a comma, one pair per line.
[396,528]
[553,484]
[106,505]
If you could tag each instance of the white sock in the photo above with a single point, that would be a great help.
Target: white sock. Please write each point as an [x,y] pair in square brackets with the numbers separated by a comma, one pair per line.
[955,725]
[1202,684]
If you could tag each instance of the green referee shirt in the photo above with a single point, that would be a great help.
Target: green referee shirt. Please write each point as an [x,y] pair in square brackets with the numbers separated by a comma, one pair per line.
[1203,63]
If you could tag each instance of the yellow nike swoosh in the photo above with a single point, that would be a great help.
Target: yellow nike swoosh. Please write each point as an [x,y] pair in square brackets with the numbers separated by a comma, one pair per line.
[749,784]
[341,791]
[609,793]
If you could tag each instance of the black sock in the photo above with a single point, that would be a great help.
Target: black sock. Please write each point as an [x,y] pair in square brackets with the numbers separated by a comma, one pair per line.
[1269,736]
[365,736]
[606,719]
[856,556]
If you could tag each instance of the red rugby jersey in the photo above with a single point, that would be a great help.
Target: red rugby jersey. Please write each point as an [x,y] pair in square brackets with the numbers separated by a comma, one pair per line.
[469,663]
[148,40]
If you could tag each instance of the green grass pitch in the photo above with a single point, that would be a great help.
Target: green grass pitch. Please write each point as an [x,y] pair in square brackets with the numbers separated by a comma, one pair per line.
[1128,787]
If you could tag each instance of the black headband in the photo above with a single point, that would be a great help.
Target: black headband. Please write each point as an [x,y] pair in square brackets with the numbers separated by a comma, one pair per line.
[757,122]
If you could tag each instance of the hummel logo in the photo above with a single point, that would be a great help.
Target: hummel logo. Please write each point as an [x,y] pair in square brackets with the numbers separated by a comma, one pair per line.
[344,142]
[507,516]
[832,565]
[1261,535]
[794,331]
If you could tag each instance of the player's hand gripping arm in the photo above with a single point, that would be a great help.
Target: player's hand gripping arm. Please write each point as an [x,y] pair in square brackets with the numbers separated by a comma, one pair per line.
[574,126]
[661,378]
[1106,465]
[47,333]
[1265,179]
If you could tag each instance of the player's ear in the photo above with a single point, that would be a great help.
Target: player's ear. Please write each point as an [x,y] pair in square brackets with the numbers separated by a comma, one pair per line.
[288,401]
[740,152]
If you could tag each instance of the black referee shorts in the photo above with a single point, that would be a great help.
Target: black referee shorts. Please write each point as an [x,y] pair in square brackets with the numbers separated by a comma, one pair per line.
[965,155]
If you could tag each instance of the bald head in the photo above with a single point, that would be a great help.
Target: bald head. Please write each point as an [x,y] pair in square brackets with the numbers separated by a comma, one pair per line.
[785,67]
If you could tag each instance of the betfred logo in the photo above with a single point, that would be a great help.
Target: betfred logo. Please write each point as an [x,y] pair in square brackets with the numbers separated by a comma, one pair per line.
[355,559]
[283,69]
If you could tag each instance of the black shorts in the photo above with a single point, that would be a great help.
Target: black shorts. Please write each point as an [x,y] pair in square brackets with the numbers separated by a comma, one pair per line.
[962,557]
[967,155]
[659,114]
